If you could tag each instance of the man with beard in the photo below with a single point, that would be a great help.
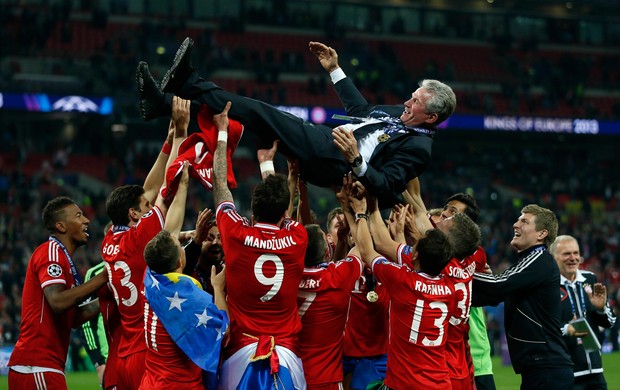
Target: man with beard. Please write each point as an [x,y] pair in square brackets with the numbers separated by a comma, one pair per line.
[204,250]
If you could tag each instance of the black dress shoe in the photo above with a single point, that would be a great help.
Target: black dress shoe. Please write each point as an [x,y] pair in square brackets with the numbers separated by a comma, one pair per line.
[152,103]
[181,68]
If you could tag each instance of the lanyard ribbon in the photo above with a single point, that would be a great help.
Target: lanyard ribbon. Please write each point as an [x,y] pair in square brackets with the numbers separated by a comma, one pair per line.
[578,289]
[119,228]
[76,277]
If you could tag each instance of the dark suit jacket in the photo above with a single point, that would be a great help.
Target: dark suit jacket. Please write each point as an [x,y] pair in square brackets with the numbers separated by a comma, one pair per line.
[392,165]
[395,162]
[584,363]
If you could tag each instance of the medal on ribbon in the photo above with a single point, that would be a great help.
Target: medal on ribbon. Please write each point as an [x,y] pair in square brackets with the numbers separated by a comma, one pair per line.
[372,296]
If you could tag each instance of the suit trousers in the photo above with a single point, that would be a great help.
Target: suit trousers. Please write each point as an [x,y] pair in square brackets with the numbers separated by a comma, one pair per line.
[321,163]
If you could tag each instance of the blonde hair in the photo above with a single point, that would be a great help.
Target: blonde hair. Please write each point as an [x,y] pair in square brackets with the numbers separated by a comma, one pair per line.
[545,220]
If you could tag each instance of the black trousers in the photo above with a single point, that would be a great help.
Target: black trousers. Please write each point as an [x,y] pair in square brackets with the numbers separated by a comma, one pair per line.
[546,378]
[590,382]
[321,163]
[485,382]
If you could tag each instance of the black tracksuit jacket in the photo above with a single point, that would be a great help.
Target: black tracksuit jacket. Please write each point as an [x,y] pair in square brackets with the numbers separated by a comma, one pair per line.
[529,289]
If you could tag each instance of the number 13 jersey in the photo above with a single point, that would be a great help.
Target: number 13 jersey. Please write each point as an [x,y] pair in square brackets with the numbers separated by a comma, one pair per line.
[420,307]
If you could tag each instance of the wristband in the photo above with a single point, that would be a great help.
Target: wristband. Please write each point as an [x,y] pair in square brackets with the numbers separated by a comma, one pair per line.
[222,136]
[267,166]
[166,148]
[359,216]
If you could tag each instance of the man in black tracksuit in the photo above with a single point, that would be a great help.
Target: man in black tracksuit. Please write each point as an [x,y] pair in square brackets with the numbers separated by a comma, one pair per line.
[529,289]
[582,297]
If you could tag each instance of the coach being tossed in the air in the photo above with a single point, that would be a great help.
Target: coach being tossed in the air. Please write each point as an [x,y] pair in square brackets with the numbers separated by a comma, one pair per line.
[390,146]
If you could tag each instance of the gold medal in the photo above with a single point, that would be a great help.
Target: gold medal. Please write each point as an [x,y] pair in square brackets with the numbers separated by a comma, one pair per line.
[372,297]
[383,138]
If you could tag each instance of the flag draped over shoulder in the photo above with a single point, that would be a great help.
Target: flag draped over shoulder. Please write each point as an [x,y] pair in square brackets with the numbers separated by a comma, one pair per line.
[264,372]
[198,149]
[189,315]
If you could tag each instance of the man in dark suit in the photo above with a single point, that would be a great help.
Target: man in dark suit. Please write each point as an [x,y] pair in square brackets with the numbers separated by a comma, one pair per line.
[582,297]
[389,145]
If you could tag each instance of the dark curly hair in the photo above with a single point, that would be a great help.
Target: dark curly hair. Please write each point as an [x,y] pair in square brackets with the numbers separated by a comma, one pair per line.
[121,200]
[271,199]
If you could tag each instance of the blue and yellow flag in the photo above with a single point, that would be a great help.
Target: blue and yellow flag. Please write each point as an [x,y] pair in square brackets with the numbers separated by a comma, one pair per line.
[189,315]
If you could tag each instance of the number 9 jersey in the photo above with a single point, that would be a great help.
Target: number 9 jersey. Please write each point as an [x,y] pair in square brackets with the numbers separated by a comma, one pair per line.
[264,266]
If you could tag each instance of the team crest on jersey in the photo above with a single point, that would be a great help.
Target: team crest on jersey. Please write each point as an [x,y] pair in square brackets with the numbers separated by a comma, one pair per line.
[54,270]
[407,250]
[587,288]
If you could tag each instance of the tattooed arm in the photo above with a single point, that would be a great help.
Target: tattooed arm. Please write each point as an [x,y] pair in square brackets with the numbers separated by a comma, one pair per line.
[221,193]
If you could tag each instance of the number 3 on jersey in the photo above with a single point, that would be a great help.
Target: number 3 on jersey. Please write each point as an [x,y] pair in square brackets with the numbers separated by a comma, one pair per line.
[125,283]
[463,304]
[275,281]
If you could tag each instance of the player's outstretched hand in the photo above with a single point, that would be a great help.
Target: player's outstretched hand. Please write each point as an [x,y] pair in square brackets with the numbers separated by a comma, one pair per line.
[221,120]
[180,115]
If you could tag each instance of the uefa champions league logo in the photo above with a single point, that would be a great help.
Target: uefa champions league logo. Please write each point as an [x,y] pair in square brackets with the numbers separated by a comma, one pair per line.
[75,103]
[54,270]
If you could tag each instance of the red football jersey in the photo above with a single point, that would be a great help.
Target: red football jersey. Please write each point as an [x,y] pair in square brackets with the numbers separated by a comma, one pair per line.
[323,300]
[43,335]
[123,251]
[264,265]
[420,308]
[167,366]
[112,324]
[461,273]
[366,331]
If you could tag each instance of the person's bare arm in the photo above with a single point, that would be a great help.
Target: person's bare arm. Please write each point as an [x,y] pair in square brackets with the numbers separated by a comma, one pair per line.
[413,197]
[218,281]
[221,192]
[384,243]
[343,199]
[265,159]
[176,211]
[396,223]
[86,313]
[342,246]
[363,240]
[181,118]
[155,177]
[178,126]
[61,298]
[293,186]
[303,207]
